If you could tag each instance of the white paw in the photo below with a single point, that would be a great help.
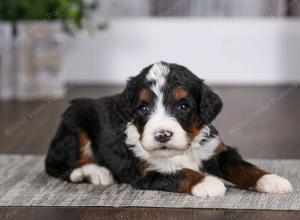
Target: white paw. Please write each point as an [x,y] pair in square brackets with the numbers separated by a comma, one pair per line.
[93,173]
[77,175]
[271,183]
[209,187]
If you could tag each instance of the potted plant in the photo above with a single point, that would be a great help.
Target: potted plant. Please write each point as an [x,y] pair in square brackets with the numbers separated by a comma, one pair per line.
[38,27]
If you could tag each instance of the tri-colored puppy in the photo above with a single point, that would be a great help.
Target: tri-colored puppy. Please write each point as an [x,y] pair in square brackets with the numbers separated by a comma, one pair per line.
[155,135]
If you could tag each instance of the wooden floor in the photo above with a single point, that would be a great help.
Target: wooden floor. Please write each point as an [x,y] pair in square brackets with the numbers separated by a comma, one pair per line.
[263,122]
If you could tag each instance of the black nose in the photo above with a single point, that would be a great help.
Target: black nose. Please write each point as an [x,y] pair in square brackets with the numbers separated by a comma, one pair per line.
[163,136]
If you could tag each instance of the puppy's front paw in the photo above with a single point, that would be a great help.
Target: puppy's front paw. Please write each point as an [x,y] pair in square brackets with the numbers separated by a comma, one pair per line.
[97,175]
[271,183]
[209,187]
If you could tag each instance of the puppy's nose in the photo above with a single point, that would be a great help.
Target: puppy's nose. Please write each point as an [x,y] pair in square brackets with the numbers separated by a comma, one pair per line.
[163,135]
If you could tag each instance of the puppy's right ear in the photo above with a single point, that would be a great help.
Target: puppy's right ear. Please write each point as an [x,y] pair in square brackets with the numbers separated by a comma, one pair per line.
[127,98]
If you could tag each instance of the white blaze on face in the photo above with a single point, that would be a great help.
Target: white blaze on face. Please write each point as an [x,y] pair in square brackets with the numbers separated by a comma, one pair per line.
[160,119]
[158,74]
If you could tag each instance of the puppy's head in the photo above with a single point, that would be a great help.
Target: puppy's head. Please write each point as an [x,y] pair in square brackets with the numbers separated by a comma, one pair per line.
[169,106]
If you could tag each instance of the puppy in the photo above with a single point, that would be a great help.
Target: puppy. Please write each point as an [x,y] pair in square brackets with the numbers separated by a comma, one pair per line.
[156,135]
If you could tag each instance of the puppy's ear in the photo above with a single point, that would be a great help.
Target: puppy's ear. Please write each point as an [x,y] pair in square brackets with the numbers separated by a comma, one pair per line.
[127,99]
[210,105]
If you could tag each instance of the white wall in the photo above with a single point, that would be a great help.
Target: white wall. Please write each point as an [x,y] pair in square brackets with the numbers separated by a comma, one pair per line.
[223,51]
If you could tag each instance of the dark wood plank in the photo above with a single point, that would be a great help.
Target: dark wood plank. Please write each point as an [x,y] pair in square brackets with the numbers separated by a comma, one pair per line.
[103,213]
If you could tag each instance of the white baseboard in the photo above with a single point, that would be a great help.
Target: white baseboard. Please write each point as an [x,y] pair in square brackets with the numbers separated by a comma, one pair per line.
[222,51]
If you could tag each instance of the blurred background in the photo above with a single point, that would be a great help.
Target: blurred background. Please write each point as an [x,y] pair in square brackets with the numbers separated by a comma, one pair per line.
[249,51]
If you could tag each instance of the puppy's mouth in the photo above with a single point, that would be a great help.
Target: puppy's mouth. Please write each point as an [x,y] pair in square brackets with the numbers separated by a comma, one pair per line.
[164,148]
[166,151]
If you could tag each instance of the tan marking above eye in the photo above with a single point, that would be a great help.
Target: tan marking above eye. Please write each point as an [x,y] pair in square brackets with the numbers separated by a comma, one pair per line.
[145,95]
[179,94]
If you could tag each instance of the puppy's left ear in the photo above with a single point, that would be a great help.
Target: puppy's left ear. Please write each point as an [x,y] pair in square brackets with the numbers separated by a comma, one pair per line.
[210,105]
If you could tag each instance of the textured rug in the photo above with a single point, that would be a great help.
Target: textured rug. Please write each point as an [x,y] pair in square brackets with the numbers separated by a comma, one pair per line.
[23,182]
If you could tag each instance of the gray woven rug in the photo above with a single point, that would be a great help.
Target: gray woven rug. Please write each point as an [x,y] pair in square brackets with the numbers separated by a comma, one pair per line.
[23,182]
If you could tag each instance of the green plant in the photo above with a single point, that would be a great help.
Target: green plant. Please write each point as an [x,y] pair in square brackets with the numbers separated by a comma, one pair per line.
[69,12]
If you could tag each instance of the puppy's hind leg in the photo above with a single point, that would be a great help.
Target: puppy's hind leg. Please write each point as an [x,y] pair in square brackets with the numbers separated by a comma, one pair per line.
[88,169]
[64,154]
[70,156]
[93,173]
[77,164]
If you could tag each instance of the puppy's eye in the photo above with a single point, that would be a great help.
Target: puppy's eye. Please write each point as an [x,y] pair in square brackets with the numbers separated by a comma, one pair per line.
[183,107]
[143,109]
